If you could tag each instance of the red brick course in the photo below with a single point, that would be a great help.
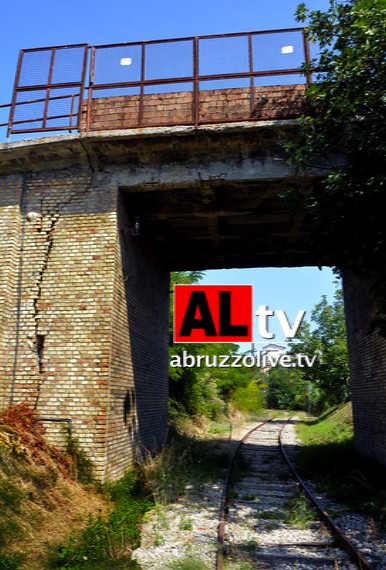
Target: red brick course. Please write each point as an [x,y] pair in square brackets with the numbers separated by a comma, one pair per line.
[218,105]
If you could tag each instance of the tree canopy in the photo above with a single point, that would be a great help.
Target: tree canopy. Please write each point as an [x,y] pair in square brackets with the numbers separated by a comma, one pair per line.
[345,125]
[208,391]
[325,383]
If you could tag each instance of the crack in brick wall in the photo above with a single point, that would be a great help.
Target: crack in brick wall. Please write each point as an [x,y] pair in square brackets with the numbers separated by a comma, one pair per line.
[79,288]
[45,221]
[38,345]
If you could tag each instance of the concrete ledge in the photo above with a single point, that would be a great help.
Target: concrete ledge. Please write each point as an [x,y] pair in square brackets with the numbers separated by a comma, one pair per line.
[61,151]
[145,132]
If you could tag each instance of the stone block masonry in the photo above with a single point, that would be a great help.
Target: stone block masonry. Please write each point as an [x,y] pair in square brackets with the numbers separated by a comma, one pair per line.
[68,285]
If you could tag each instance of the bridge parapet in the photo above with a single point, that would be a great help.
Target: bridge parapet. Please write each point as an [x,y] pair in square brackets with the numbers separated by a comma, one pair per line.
[181,81]
[214,106]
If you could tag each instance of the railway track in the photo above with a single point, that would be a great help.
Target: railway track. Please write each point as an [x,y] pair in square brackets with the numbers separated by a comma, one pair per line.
[268,518]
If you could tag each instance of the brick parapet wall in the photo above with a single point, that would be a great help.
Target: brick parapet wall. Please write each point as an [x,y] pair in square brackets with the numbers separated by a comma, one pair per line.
[64,318]
[367,354]
[232,104]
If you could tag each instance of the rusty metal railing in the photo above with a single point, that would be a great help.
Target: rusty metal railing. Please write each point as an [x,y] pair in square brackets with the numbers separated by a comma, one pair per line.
[66,88]
[48,89]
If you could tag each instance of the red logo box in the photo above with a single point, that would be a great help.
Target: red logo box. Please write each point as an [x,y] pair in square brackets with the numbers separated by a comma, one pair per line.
[213,313]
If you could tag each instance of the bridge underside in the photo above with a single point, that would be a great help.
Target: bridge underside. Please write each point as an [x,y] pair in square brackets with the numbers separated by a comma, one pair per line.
[221,224]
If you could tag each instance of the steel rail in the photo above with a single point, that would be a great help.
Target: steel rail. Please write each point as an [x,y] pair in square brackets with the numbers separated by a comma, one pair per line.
[225,498]
[48,85]
[355,555]
[35,120]
[167,40]
[345,543]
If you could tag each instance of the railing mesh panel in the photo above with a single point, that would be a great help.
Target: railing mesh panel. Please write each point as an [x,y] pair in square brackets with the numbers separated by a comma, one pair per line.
[164,82]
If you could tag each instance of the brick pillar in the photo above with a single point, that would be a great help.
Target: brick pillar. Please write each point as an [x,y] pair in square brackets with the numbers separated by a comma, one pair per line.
[139,349]
[11,188]
[367,354]
[83,316]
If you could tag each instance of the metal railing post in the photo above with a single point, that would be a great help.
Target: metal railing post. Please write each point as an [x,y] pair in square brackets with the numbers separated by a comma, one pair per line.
[252,80]
[307,57]
[196,85]
[142,85]
[90,89]
[14,94]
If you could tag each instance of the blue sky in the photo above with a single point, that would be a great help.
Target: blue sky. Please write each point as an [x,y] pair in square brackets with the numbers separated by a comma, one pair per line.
[291,290]
[28,24]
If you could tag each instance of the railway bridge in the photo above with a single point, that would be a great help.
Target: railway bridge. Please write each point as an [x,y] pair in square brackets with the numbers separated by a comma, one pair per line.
[163,170]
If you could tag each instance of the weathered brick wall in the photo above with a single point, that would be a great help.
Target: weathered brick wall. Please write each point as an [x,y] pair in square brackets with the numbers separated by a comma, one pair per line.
[139,349]
[88,339]
[66,348]
[10,243]
[274,102]
[367,352]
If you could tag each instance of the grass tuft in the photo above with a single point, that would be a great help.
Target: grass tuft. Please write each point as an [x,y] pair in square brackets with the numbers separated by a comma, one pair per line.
[299,512]
[328,456]
[11,562]
[185,462]
[188,563]
[107,541]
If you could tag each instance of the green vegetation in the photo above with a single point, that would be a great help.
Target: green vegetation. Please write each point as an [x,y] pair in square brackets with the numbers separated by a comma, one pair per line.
[244,565]
[325,383]
[344,131]
[11,562]
[188,563]
[272,515]
[299,512]
[334,426]
[186,461]
[248,398]
[186,524]
[329,375]
[47,518]
[220,428]
[81,464]
[206,391]
[329,457]
[108,539]
[31,481]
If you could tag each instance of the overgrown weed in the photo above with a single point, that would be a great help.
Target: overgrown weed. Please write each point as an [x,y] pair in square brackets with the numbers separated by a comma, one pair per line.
[188,562]
[329,457]
[108,540]
[10,562]
[40,500]
[299,512]
[81,464]
[184,462]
